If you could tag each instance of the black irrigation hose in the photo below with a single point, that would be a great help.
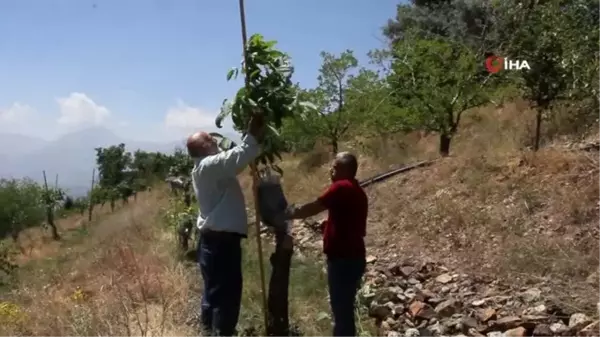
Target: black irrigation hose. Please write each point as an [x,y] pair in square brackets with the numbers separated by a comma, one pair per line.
[385,175]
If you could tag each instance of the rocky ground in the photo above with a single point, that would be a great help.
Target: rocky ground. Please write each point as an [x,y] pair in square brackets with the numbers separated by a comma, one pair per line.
[423,298]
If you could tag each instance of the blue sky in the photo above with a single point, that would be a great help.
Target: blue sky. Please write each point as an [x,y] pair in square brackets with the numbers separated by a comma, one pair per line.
[154,70]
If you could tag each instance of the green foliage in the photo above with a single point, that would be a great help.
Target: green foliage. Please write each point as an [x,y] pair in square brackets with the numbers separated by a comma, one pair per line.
[112,163]
[328,115]
[178,211]
[370,99]
[21,206]
[181,164]
[269,91]
[437,80]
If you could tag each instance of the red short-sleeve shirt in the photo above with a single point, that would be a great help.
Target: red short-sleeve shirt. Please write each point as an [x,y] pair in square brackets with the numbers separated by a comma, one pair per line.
[346,224]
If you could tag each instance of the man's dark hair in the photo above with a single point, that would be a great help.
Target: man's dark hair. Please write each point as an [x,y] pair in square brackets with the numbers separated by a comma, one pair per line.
[348,160]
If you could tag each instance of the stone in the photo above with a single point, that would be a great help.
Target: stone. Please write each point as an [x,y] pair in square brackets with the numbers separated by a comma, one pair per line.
[473,332]
[385,326]
[427,294]
[516,332]
[486,314]
[393,334]
[436,329]
[379,311]
[371,258]
[531,295]
[447,308]
[508,322]
[398,309]
[542,330]
[385,295]
[495,334]
[478,303]
[444,278]
[406,271]
[558,328]
[412,332]
[413,281]
[469,323]
[578,321]
[421,310]
[423,330]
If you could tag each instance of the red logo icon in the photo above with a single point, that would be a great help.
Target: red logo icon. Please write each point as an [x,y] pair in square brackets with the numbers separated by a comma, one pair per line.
[494,64]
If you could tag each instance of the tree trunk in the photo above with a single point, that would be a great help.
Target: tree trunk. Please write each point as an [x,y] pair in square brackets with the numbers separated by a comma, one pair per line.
[15,235]
[445,140]
[334,146]
[538,128]
[281,261]
[53,228]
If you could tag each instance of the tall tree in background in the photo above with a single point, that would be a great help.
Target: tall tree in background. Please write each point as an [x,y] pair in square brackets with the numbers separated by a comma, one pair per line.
[112,165]
[371,102]
[437,81]
[329,119]
[438,50]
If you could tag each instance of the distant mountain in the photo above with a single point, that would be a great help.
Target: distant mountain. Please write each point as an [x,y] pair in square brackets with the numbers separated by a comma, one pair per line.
[72,156]
[15,144]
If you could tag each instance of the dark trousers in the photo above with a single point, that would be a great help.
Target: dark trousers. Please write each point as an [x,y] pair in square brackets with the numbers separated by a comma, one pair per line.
[220,258]
[344,277]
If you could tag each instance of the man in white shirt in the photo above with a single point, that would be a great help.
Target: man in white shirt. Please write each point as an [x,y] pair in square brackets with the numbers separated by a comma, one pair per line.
[222,222]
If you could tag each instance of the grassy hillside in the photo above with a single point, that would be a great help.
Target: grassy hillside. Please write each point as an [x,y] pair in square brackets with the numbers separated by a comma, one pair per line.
[494,216]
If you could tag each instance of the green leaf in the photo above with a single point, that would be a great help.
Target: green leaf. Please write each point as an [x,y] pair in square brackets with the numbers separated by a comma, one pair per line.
[225,111]
[232,73]
[273,130]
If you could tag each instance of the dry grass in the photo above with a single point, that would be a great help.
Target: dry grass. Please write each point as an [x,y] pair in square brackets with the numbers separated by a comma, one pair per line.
[34,243]
[113,282]
[493,208]
[121,276]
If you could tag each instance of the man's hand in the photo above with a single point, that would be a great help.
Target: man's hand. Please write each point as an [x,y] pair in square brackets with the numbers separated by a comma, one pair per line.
[256,126]
[289,212]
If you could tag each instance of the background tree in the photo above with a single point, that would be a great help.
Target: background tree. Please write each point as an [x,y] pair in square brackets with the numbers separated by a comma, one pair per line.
[21,206]
[370,101]
[112,165]
[437,80]
[181,163]
[329,119]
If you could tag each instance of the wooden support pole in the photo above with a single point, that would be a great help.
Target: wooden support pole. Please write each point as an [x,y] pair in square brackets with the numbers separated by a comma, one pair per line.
[255,181]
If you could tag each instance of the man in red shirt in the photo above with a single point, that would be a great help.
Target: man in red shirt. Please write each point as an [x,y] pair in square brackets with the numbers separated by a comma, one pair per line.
[343,238]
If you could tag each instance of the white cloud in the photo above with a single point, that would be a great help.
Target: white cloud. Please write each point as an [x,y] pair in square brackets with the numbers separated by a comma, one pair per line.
[17,118]
[78,110]
[16,113]
[183,116]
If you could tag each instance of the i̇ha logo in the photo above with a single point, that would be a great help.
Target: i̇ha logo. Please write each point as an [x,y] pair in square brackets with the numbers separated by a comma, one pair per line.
[494,64]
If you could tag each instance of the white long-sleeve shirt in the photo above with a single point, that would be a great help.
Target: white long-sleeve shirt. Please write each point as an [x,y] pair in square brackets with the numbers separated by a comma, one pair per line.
[219,194]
